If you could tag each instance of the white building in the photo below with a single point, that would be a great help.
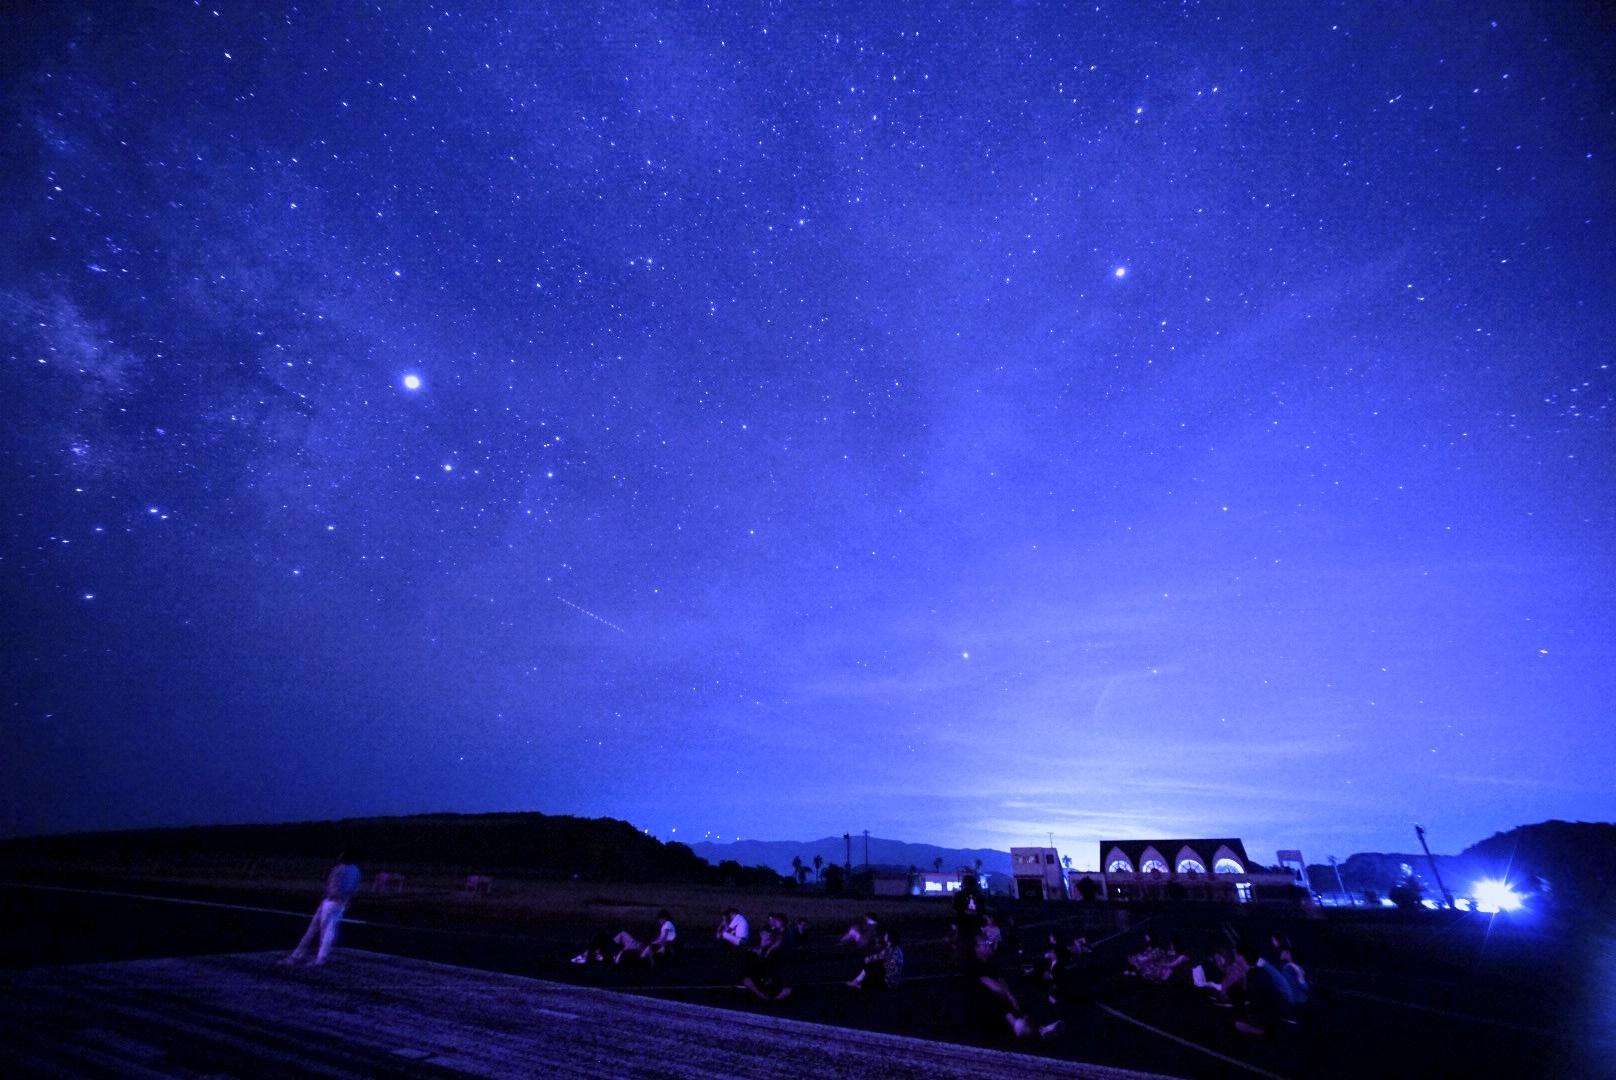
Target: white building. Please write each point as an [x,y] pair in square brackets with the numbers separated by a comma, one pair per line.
[1038,873]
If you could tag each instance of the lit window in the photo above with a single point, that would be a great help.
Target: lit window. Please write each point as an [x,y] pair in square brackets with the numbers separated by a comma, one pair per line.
[1242,891]
[1190,866]
[1119,866]
[1154,866]
[1227,866]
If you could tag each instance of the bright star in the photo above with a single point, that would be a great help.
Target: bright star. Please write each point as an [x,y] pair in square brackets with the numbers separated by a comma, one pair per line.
[1121,272]
[412,381]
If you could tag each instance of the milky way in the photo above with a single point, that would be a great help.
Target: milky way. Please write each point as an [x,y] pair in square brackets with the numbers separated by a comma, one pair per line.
[964,423]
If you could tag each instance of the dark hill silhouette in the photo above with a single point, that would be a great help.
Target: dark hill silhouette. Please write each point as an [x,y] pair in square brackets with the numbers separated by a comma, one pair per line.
[528,844]
[1571,864]
[1574,860]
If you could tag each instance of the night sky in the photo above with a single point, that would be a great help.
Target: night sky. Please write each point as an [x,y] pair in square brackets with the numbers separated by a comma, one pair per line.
[963,423]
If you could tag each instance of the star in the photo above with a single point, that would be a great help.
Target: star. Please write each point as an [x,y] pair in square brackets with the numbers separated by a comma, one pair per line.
[412,382]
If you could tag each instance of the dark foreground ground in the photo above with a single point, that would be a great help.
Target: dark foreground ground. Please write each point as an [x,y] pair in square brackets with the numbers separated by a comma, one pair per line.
[373,1014]
[1439,996]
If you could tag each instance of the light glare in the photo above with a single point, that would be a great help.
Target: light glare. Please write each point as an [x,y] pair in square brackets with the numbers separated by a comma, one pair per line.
[1493,896]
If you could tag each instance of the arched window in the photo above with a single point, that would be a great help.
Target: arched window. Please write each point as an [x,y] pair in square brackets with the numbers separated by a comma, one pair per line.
[1117,863]
[1189,861]
[1224,862]
[1151,862]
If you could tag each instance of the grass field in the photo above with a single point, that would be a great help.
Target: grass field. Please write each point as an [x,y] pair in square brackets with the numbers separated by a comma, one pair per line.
[1429,994]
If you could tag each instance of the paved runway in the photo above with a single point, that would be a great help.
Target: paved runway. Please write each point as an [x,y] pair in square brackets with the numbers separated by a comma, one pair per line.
[367,1014]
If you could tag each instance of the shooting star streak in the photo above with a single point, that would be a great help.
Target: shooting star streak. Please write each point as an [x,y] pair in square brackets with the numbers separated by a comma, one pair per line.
[591,614]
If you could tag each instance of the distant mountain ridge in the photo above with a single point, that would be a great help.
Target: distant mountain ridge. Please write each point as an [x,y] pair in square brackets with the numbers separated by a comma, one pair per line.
[777,854]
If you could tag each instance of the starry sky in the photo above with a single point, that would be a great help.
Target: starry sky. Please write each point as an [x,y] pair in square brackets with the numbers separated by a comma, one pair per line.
[968,423]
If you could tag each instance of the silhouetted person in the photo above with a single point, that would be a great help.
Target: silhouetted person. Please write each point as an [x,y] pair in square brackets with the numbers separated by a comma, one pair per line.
[989,1002]
[762,976]
[340,886]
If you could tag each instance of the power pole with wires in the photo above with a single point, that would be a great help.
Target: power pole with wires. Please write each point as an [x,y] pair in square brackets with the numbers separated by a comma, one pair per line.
[1336,867]
[1447,898]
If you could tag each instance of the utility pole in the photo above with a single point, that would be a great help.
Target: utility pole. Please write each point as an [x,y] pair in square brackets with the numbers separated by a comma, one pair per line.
[847,859]
[1338,885]
[866,849]
[1447,899]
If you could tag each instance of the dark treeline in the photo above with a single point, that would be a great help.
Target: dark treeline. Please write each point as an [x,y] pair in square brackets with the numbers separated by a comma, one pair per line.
[526,844]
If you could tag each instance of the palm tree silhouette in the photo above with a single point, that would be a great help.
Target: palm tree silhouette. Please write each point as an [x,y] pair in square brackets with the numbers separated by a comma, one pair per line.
[819,861]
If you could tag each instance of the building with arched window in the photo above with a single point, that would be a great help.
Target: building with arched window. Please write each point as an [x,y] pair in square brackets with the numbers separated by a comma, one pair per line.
[1215,870]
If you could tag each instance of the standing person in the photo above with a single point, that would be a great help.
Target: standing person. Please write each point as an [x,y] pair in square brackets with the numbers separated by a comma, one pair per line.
[340,885]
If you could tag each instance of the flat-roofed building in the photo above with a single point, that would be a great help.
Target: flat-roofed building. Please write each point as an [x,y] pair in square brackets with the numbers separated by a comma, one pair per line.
[1038,873]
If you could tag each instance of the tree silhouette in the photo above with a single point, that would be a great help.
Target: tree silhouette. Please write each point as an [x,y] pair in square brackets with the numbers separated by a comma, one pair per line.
[938,863]
[799,871]
[819,862]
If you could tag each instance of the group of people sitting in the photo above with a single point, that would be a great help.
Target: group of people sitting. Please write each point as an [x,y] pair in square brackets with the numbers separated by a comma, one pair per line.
[762,964]
[624,945]
[1262,981]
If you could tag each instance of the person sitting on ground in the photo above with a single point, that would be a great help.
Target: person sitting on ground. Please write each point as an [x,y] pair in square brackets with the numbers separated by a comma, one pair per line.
[1288,966]
[1146,959]
[762,973]
[991,932]
[1050,967]
[882,969]
[631,947]
[862,934]
[1173,965]
[1075,972]
[733,929]
[1271,997]
[990,1003]
[892,957]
